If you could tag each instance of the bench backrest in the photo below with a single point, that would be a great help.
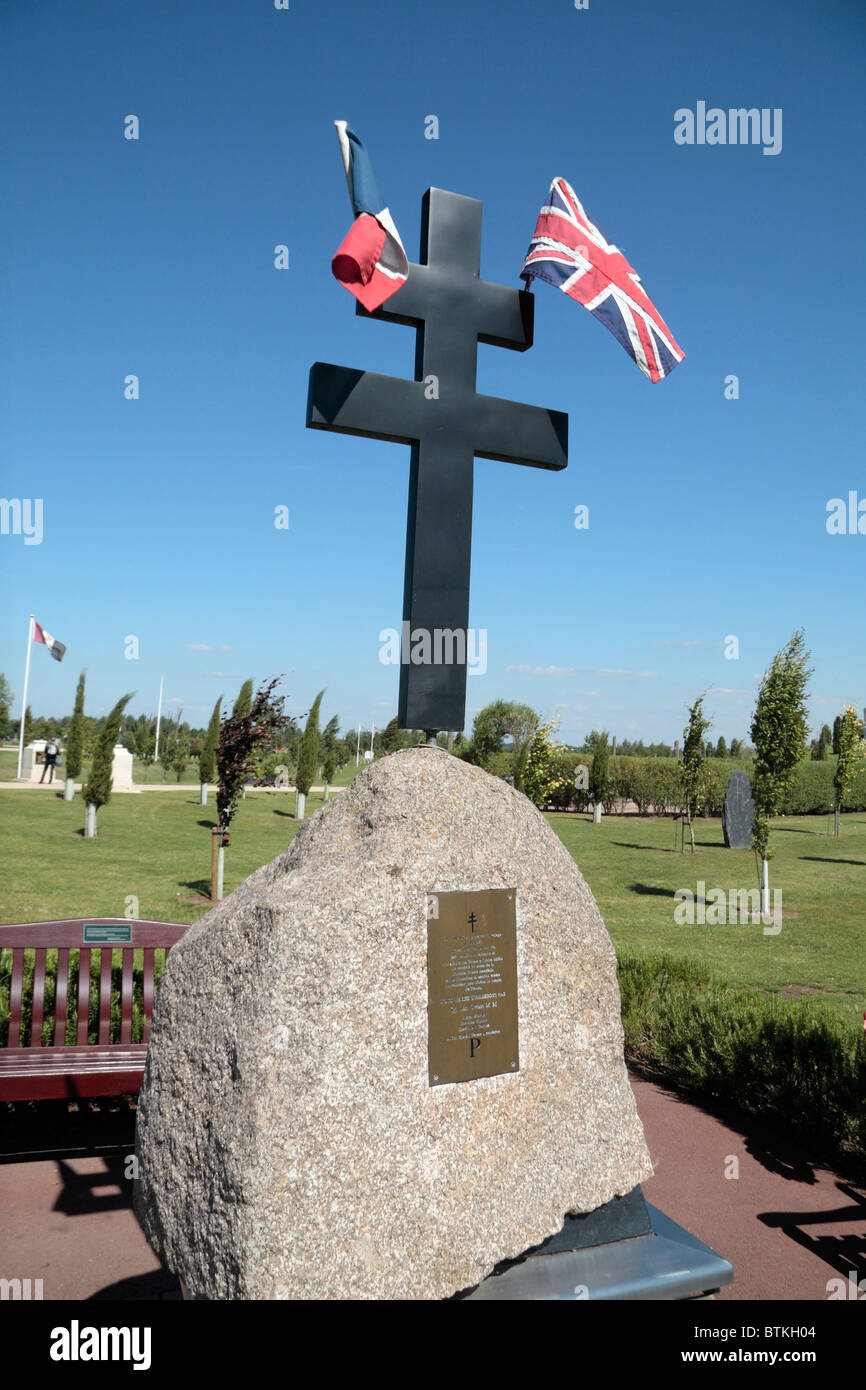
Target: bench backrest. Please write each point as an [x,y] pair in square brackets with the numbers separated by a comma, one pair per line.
[84,935]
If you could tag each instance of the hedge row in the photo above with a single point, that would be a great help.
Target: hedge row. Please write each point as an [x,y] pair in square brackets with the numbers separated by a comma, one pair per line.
[653,784]
[795,1061]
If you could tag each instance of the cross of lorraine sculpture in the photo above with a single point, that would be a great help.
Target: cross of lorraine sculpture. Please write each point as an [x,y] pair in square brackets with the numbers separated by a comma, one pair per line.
[448,424]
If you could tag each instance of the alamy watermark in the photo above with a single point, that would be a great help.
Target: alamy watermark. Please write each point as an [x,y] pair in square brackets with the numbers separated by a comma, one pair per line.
[22,516]
[716,907]
[736,126]
[443,646]
[843,519]
[20,1289]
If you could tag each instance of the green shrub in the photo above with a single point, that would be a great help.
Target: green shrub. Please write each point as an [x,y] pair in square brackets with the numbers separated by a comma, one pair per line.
[796,1061]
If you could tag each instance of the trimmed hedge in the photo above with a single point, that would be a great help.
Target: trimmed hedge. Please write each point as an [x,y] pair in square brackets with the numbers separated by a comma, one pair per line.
[653,784]
[795,1061]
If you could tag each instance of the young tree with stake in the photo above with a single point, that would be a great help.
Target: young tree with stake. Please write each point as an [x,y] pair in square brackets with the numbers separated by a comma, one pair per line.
[848,763]
[599,776]
[692,763]
[98,790]
[778,732]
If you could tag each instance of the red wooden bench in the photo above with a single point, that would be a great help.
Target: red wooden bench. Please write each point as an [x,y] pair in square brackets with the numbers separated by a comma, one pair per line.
[103,1068]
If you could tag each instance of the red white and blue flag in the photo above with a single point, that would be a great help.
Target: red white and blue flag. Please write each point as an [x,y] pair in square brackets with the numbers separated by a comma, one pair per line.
[572,253]
[57,649]
[371,263]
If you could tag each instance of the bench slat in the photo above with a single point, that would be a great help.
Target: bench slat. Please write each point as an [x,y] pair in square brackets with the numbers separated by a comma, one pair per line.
[60,998]
[58,1073]
[38,997]
[105,1068]
[83,994]
[126,997]
[15,991]
[149,972]
[104,1034]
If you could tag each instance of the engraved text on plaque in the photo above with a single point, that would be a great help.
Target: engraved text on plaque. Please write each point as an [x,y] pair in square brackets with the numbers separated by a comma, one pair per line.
[472,985]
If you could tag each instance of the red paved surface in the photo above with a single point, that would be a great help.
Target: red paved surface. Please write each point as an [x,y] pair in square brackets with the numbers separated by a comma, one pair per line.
[786,1227]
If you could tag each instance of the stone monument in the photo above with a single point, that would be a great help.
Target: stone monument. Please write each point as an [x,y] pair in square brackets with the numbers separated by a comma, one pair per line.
[121,770]
[738,811]
[393,1057]
[33,761]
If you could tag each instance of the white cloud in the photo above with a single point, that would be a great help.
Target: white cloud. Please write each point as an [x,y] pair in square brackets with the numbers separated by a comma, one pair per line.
[198,647]
[684,642]
[627,675]
[543,670]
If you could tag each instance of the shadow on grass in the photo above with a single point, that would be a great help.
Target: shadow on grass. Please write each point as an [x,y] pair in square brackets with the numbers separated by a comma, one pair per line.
[793,830]
[207,824]
[198,885]
[649,889]
[657,849]
[821,859]
[289,815]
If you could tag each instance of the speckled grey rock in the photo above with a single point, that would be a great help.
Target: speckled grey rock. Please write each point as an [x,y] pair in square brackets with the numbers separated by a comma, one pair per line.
[289,1143]
[738,811]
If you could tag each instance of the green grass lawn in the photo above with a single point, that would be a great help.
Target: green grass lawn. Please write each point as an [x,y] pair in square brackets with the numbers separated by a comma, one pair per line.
[157,846]
[152,775]
[634,870]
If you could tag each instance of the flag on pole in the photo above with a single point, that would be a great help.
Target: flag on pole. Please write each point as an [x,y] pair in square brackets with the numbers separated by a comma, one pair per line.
[57,649]
[371,263]
[571,252]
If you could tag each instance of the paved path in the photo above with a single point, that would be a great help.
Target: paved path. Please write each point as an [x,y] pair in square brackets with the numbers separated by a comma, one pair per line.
[786,1226]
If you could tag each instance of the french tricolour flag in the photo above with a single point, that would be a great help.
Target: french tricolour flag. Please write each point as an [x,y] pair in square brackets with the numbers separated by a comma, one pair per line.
[371,263]
[57,649]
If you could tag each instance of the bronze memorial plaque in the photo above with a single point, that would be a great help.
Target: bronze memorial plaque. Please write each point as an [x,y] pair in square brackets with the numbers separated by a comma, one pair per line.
[471,985]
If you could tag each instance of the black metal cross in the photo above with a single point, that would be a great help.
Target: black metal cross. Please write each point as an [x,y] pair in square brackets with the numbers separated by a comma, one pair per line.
[447,424]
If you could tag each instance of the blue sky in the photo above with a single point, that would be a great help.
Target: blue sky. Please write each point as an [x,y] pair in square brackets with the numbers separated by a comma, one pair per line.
[156,257]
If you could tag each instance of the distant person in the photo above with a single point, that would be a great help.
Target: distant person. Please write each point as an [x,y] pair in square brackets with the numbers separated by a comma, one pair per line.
[51,751]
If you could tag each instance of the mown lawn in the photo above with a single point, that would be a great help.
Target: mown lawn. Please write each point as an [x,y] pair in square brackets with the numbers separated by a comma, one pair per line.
[156,847]
[633,868]
[153,775]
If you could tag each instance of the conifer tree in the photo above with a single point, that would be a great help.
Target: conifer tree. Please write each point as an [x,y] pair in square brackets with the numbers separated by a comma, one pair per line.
[243,704]
[98,790]
[692,762]
[75,741]
[308,755]
[207,756]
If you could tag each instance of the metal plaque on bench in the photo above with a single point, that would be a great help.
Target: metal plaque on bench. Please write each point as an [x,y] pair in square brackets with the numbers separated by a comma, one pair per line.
[107,934]
[471,985]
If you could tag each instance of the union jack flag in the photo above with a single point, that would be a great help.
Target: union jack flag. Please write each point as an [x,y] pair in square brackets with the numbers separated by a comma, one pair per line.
[571,253]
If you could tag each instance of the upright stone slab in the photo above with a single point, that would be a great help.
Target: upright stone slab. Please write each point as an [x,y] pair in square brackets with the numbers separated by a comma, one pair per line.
[121,770]
[738,811]
[298,1136]
[33,760]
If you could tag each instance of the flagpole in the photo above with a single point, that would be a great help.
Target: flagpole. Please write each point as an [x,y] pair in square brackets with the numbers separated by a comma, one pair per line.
[24,696]
[158,718]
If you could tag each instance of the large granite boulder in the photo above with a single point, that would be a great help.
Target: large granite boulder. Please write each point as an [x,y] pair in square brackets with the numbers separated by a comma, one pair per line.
[290,1142]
